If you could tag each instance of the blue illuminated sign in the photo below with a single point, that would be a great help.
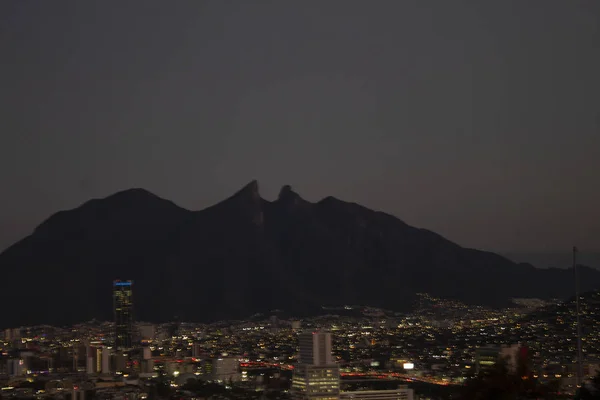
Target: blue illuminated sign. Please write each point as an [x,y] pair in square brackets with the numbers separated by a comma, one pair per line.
[122,283]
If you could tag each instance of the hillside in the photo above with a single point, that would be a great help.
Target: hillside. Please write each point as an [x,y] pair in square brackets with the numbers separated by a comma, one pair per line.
[246,255]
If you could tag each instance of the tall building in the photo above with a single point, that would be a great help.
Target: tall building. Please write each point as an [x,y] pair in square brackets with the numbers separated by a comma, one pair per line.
[315,348]
[105,358]
[317,376]
[225,369]
[123,308]
[93,356]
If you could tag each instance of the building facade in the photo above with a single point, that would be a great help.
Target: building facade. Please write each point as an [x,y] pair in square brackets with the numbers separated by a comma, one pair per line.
[123,311]
[401,393]
[317,376]
[315,348]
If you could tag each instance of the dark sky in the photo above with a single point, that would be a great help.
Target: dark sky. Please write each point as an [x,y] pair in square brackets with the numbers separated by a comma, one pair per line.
[475,119]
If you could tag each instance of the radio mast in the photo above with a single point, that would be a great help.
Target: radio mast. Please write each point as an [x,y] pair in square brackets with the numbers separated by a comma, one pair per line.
[579,353]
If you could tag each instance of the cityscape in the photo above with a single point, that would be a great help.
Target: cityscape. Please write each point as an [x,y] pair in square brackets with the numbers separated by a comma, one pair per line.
[300,200]
[347,352]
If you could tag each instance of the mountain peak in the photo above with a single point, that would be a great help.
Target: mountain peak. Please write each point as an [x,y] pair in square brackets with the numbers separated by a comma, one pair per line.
[134,204]
[134,197]
[288,196]
[250,190]
[133,193]
[285,191]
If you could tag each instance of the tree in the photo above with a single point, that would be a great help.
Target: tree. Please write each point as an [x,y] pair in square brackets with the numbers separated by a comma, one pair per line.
[500,383]
[590,391]
[161,387]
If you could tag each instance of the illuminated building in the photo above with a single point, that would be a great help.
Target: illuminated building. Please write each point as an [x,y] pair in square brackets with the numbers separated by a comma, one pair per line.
[225,369]
[402,393]
[94,357]
[123,307]
[317,377]
[486,358]
[315,348]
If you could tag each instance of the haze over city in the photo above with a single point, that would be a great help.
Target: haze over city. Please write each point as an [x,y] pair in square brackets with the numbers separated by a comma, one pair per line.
[476,120]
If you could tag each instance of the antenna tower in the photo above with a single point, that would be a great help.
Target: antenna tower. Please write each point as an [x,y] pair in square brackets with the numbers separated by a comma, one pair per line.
[579,352]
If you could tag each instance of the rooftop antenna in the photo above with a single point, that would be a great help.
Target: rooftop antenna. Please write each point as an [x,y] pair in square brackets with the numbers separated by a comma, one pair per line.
[579,353]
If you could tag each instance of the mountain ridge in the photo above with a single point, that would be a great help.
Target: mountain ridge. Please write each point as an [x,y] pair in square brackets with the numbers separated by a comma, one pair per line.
[246,254]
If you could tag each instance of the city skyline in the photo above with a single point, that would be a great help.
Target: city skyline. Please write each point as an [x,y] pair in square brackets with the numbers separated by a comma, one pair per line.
[385,356]
[364,354]
[300,200]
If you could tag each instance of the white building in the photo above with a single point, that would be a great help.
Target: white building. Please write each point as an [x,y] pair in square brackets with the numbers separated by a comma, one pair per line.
[93,358]
[315,348]
[105,361]
[317,377]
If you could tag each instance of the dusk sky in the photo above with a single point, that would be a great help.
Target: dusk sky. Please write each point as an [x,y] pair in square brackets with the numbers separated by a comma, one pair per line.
[475,119]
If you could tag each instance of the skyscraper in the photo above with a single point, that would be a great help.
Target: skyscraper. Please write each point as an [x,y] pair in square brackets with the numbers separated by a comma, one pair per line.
[123,308]
[315,348]
[317,376]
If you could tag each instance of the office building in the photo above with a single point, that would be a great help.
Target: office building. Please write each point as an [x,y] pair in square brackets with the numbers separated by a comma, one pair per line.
[316,377]
[274,324]
[119,362]
[123,309]
[105,361]
[315,348]
[93,356]
[486,358]
[78,394]
[226,369]
[16,367]
[197,351]
[401,393]
[147,332]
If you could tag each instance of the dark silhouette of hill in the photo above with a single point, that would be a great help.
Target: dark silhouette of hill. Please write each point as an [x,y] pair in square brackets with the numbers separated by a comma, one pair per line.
[247,255]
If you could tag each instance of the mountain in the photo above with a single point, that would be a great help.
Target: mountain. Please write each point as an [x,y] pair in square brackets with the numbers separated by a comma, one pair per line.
[556,260]
[247,255]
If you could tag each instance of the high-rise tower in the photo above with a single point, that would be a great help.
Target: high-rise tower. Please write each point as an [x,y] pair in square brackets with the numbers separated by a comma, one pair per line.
[317,376]
[123,309]
[315,348]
